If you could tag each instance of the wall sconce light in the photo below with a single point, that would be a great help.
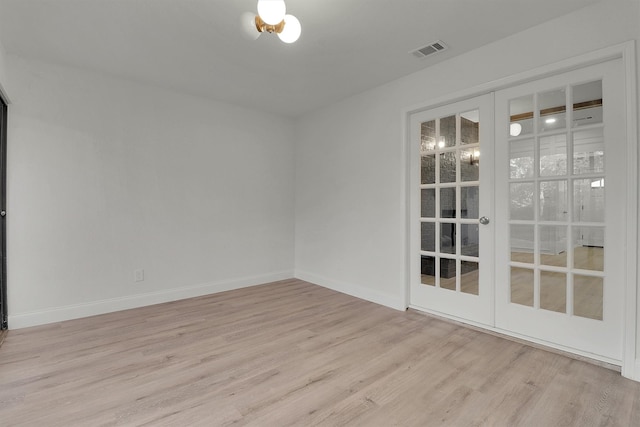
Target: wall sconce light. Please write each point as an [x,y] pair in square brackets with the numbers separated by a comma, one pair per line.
[272,18]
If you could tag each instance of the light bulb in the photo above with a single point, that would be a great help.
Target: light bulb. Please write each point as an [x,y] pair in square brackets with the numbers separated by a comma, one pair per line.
[515,129]
[272,11]
[292,29]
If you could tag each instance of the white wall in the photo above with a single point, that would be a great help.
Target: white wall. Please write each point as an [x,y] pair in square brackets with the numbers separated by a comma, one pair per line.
[3,72]
[107,176]
[349,157]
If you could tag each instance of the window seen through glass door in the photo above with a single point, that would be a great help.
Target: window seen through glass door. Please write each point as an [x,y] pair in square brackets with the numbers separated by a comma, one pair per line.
[557,191]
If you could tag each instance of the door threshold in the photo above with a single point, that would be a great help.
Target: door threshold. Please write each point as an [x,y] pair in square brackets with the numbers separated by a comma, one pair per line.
[540,346]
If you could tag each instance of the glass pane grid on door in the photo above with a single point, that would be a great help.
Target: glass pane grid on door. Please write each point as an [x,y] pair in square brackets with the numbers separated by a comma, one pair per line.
[556,219]
[449,192]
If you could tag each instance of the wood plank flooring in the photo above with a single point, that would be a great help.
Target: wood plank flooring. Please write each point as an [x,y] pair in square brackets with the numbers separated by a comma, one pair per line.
[294,354]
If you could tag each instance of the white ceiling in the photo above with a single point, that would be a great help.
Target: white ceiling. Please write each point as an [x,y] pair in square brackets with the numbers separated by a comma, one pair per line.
[197,46]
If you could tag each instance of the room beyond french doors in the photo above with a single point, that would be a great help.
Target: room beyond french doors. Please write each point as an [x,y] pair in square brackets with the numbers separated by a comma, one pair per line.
[517,210]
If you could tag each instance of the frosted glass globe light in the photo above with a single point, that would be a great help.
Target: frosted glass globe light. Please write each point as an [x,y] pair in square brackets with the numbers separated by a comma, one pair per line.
[515,129]
[248,26]
[272,11]
[292,29]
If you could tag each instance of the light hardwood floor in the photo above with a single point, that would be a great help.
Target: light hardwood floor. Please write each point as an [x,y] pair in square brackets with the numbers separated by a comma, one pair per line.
[291,353]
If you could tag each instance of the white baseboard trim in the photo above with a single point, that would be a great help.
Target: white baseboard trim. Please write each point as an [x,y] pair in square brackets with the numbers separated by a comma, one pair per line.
[635,371]
[93,308]
[357,291]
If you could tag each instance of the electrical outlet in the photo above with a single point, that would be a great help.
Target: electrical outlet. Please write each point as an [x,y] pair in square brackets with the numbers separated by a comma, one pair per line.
[138,275]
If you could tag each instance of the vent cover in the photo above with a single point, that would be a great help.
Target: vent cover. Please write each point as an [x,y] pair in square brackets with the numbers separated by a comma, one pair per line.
[429,49]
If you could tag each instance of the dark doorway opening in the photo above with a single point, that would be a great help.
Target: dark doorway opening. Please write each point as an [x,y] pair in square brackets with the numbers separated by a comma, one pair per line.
[3,222]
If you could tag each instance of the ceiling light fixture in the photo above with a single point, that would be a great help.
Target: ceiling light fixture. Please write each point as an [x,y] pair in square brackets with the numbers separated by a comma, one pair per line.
[272,18]
[515,129]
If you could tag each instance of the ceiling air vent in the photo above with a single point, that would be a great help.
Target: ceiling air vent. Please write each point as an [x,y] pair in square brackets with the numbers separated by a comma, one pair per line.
[430,49]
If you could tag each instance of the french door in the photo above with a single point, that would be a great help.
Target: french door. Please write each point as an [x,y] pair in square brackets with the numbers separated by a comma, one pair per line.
[527,238]
[452,233]
[560,209]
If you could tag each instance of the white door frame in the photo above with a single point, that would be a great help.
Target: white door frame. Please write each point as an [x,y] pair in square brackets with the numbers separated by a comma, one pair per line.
[625,51]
